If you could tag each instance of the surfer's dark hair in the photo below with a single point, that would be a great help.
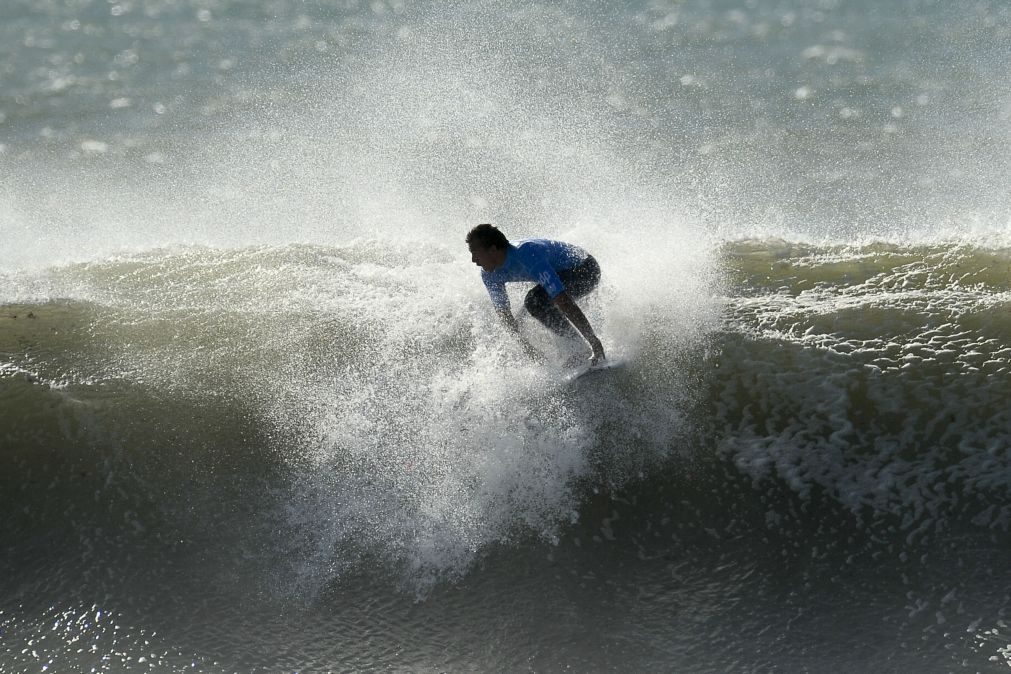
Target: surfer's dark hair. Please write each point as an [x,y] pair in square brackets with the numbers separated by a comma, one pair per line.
[487,236]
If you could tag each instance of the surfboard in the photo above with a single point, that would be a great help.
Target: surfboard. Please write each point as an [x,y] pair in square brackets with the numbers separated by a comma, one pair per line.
[587,370]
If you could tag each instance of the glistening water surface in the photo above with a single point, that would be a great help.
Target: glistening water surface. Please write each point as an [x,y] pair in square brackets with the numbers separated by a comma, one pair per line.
[256,412]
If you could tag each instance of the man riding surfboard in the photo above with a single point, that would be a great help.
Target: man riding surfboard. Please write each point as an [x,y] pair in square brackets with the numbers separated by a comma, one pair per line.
[560,271]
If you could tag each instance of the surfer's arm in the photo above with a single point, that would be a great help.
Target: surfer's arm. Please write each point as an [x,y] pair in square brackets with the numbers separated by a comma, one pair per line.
[578,319]
[510,322]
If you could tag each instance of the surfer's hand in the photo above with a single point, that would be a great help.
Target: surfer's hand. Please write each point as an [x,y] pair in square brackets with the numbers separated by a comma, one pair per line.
[532,353]
[598,356]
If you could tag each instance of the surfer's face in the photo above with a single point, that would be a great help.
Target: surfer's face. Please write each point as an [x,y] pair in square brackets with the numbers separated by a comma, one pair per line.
[488,259]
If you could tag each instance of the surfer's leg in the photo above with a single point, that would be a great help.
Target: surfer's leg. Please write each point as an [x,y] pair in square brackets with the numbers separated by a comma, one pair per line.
[539,305]
[578,281]
[582,278]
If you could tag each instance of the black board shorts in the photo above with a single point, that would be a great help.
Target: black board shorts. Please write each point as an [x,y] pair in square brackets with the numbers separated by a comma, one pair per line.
[578,281]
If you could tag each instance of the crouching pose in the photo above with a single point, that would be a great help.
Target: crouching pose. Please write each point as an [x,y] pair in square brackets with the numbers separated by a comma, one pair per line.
[562,272]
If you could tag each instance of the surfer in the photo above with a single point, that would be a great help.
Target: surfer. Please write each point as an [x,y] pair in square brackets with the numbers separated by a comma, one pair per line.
[561,271]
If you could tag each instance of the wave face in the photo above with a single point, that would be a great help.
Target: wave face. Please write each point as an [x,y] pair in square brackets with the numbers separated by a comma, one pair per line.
[372,375]
[876,372]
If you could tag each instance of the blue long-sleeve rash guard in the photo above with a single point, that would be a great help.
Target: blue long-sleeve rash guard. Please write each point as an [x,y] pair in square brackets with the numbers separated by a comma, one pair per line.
[534,261]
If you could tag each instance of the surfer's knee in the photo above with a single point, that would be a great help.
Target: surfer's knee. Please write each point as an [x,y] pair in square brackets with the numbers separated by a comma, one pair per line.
[537,303]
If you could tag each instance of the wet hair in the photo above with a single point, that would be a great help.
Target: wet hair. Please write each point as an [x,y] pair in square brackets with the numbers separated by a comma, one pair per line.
[487,236]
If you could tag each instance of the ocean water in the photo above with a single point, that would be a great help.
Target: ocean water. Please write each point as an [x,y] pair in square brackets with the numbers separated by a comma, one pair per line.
[256,414]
